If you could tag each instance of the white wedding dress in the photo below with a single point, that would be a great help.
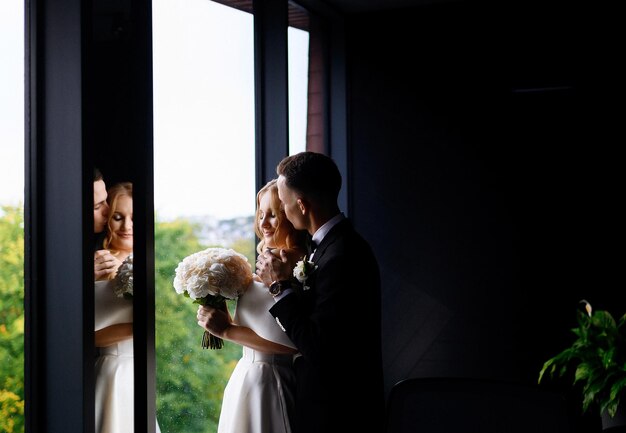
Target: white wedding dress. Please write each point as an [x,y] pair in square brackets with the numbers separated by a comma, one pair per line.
[259,396]
[114,366]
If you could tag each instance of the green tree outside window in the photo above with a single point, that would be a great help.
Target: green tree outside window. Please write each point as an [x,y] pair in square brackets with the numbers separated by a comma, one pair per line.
[12,319]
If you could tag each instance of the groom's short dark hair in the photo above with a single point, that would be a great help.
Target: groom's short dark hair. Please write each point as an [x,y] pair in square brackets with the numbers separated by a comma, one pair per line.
[97,174]
[311,174]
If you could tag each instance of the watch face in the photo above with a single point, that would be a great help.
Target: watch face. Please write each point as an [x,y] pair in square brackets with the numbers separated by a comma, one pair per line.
[276,289]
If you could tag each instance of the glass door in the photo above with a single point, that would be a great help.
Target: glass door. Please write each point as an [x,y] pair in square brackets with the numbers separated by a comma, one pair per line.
[204,186]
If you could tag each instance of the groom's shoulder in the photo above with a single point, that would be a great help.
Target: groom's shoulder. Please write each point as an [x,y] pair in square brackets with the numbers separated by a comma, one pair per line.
[353,234]
[353,241]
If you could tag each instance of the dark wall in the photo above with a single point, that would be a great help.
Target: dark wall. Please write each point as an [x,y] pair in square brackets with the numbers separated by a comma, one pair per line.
[482,176]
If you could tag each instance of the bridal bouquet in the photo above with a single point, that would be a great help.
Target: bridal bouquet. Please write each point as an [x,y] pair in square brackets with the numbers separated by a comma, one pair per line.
[124,279]
[210,277]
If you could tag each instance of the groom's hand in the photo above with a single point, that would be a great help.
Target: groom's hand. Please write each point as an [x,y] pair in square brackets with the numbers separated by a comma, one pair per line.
[270,267]
[213,320]
[104,263]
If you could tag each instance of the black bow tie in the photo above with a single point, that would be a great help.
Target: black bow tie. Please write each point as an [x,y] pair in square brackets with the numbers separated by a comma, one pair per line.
[313,245]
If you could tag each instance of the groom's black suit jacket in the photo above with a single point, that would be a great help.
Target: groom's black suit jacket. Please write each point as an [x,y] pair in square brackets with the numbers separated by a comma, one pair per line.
[336,326]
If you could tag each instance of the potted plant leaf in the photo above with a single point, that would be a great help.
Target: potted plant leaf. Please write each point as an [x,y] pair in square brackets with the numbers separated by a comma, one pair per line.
[596,360]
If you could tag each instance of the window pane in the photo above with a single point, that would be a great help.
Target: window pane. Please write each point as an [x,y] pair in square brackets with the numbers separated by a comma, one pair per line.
[12,216]
[298,63]
[204,164]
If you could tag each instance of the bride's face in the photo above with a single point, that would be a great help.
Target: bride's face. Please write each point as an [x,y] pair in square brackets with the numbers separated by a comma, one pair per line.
[268,221]
[122,224]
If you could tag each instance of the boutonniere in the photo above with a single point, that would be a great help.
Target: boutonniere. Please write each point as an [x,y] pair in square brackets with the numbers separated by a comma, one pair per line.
[302,271]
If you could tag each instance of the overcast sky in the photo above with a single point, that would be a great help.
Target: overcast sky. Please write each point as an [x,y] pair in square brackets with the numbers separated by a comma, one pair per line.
[203,107]
[11,102]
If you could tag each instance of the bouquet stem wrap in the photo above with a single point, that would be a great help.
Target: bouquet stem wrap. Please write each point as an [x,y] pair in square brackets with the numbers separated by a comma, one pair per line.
[210,341]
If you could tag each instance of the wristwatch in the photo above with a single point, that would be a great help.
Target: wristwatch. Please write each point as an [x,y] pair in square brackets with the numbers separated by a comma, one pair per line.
[277,287]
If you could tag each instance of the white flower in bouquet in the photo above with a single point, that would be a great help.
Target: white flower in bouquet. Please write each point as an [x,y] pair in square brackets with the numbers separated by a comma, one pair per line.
[302,270]
[124,279]
[210,277]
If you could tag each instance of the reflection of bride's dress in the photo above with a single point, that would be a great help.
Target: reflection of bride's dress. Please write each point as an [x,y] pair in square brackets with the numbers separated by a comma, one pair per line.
[259,396]
[114,367]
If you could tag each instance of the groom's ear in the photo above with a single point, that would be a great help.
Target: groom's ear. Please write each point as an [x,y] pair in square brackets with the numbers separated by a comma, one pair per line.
[302,205]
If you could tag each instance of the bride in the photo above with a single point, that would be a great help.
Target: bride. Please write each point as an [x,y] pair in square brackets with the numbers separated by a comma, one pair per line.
[114,368]
[259,396]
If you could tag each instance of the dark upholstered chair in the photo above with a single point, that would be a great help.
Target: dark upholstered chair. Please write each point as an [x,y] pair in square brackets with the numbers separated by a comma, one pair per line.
[449,405]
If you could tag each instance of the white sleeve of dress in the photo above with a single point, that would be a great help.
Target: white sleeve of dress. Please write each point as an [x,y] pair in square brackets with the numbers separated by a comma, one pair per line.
[108,308]
[253,311]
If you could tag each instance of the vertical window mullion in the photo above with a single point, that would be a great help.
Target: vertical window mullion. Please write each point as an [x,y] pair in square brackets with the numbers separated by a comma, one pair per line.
[270,49]
[58,310]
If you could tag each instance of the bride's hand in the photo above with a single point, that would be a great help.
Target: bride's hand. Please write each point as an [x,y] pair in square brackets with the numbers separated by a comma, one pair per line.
[213,320]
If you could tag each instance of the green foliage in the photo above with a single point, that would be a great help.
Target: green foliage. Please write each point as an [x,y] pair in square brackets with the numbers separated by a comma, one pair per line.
[11,412]
[12,319]
[190,380]
[597,358]
[247,248]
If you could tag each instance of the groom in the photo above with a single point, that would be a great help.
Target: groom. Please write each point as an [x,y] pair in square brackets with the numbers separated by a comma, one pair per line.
[336,322]
[104,263]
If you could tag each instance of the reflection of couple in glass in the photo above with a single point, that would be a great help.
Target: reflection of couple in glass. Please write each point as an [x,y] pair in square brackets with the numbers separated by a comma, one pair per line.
[114,370]
[300,346]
